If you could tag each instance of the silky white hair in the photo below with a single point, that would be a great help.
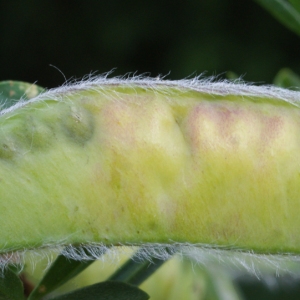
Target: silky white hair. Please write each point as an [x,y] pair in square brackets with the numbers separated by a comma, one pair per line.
[236,261]
[211,85]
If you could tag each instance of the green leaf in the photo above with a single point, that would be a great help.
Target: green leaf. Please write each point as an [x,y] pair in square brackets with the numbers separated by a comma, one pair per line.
[295,4]
[109,290]
[286,78]
[220,283]
[11,287]
[269,286]
[12,91]
[15,268]
[135,272]
[284,12]
[61,271]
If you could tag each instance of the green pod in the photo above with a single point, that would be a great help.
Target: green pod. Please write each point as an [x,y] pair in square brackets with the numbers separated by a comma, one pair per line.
[149,161]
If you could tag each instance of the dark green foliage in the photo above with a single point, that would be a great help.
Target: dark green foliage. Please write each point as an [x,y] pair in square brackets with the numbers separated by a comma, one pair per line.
[61,271]
[286,78]
[11,287]
[295,4]
[285,12]
[135,272]
[108,290]
[269,287]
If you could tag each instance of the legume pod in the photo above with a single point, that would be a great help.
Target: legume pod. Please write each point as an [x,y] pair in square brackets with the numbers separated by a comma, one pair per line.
[138,161]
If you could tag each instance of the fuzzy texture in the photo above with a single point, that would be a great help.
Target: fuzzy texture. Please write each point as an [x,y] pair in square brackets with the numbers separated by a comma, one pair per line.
[199,252]
[210,85]
[234,260]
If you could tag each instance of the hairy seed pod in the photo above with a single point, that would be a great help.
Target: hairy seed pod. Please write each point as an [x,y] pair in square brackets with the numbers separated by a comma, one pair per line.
[137,161]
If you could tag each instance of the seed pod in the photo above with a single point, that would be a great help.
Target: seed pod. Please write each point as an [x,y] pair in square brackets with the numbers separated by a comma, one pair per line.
[138,161]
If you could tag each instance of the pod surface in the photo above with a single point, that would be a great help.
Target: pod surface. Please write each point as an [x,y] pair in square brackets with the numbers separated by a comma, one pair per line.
[129,164]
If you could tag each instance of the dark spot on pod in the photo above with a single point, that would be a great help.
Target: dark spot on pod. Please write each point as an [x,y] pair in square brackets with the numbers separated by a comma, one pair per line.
[22,135]
[78,124]
[7,148]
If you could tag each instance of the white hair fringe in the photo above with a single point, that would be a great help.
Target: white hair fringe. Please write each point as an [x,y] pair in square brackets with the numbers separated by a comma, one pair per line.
[235,260]
[209,85]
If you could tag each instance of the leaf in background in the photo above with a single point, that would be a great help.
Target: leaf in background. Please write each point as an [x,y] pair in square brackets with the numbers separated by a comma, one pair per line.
[62,270]
[135,272]
[109,290]
[220,283]
[11,287]
[295,4]
[284,12]
[286,78]
[269,286]
[12,91]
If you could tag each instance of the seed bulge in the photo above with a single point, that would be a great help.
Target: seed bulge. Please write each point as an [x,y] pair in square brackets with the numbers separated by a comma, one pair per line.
[78,124]
[38,133]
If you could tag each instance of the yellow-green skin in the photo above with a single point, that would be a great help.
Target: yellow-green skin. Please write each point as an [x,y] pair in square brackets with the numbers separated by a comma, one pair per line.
[131,165]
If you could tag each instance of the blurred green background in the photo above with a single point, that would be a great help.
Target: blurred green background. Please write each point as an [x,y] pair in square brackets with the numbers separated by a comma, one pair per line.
[157,36]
